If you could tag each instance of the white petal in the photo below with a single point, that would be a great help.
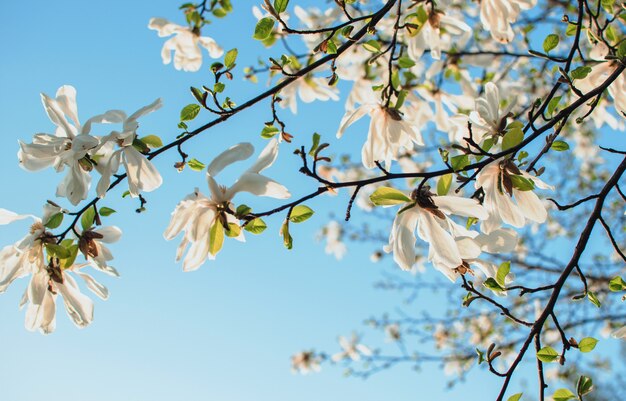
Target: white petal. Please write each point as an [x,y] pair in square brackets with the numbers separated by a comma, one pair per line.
[7,216]
[266,158]
[142,175]
[97,288]
[239,152]
[78,306]
[460,206]
[259,185]
[531,206]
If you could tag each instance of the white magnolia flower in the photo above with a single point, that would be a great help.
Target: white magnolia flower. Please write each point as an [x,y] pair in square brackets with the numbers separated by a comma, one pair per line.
[91,244]
[429,216]
[305,362]
[509,197]
[435,34]
[352,349]
[388,133]
[619,333]
[309,89]
[142,175]
[187,53]
[69,146]
[198,216]
[49,277]
[498,15]
[488,119]
[334,245]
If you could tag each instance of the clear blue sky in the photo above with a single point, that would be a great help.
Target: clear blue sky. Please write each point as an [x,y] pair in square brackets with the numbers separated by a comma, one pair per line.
[227,331]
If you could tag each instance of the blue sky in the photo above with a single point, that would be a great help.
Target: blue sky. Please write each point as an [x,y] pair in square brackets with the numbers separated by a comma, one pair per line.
[227,331]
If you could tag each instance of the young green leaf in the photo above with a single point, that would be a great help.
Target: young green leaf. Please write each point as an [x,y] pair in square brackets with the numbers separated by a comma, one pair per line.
[522,183]
[263,28]
[559,146]
[587,344]
[315,144]
[617,284]
[280,5]
[196,165]
[300,213]
[189,112]
[216,238]
[385,196]
[230,57]
[54,221]
[547,354]
[256,226]
[86,220]
[443,184]
[284,232]
[515,397]
[106,211]
[502,272]
[580,72]
[584,386]
[512,138]
[233,230]
[550,42]
[594,299]
[563,394]
[459,162]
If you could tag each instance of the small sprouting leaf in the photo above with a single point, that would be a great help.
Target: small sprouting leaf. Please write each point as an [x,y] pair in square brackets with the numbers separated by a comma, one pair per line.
[385,196]
[547,354]
[502,272]
[230,57]
[300,213]
[552,105]
[481,355]
[233,230]
[405,62]
[493,285]
[617,284]
[443,184]
[269,131]
[189,112]
[372,46]
[152,141]
[515,397]
[242,210]
[57,250]
[54,221]
[580,72]
[316,142]
[563,394]
[550,42]
[86,220]
[587,344]
[280,5]
[219,87]
[196,165]
[256,226]
[69,261]
[106,211]
[522,183]
[459,162]
[594,299]
[584,386]
[512,138]
[559,146]
[284,232]
[216,238]
[331,47]
[263,28]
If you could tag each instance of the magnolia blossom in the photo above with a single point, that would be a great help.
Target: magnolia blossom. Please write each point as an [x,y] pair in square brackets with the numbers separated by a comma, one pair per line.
[142,175]
[185,44]
[488,119]
[49,277]
[334,245]
[305,362]
[309,89]
[352,349]
[69,146]
[429,35]
[429,216]
[498,15]
[388,133]
[204,219]
[509,196]
[619,333]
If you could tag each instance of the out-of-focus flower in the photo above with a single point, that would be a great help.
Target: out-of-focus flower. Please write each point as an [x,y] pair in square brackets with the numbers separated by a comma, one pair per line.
[204,221]
[352,349]
[305,362]
[309,89]
[498,15]
[185,45]
[332,232]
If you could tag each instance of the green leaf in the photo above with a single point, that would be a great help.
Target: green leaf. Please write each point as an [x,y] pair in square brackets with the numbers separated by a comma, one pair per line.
[481,355]
[515,397]
[152,141]
[263,28]
[269,131]
[401,98]
[512,138]
[54,221]
[550,42]
[584,386]
[571,29]
[594,299]
[86,220]
[559,146]
[405,62]
[459,162]
[547,354]
[216,238]
[300,213]
[372,46]
[587,344]
[617,284]
[196,165]
[316,142]
[219,87]
[331,47]
[621,50]
[242,210]
[231,57]
[563,394]
[554,102]
[69,261]
[443,184]
[189,112]
[493,285]
[57,250]
[503,271]
[385,196]
[284,231]
[280,5]
[106,211]
[256,226]
[580,72]
[219,12]
[233,230]
[522,183]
